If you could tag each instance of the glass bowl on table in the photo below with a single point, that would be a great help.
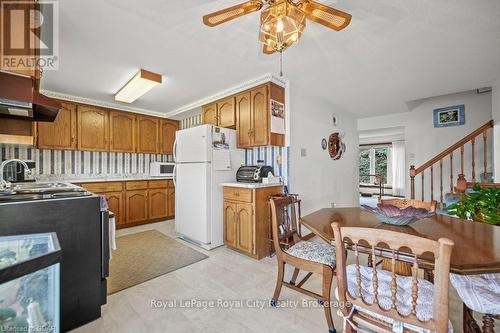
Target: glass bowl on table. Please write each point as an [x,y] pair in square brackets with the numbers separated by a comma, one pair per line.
[398,216]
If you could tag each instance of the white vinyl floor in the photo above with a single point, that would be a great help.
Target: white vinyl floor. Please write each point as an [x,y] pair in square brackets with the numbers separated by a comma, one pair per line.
[224,293]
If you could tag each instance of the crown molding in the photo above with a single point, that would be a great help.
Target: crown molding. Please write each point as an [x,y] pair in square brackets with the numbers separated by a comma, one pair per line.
[89,101]
[269,77]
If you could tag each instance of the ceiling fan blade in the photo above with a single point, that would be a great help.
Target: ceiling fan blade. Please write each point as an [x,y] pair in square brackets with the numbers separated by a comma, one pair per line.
[231,13]
[327,16]
[268,50]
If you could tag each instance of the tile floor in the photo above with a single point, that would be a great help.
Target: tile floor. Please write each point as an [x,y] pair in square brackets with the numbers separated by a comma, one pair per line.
[225,276]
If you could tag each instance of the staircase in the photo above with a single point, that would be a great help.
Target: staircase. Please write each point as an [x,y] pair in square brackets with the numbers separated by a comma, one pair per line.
[466,177]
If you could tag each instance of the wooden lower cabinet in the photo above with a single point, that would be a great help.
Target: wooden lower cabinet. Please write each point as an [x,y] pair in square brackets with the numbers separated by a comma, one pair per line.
[247,221]
[137,206]
[171,201]
[158,206]
[244,215]
[230,224]
[137,202]
[115,204]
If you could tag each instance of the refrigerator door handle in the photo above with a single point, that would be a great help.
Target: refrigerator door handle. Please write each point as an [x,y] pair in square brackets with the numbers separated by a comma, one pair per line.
[175,150]
[174,176]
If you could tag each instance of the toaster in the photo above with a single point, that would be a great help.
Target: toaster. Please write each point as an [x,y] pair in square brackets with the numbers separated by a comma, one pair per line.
[253,173]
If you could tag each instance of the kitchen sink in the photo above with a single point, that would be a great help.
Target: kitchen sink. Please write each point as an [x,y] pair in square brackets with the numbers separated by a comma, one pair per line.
[44,188]
[32,197]
[41,185]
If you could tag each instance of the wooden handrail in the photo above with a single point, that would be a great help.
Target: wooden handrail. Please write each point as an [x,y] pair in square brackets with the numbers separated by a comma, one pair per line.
[454,147]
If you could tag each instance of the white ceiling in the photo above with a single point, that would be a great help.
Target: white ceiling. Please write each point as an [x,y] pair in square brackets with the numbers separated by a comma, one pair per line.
[393,52]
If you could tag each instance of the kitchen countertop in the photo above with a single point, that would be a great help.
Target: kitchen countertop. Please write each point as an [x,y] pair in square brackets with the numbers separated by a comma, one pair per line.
[113,178]
[250,185]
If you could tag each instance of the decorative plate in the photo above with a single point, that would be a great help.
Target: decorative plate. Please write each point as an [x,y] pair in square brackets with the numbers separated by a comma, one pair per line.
[398,216]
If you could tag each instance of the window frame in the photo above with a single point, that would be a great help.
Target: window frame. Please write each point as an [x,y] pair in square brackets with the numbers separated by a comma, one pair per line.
[372,157]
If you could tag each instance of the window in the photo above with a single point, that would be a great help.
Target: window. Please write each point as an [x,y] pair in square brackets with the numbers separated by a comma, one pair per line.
[374,161]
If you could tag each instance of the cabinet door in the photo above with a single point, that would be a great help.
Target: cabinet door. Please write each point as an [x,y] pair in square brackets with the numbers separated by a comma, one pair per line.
[209,114]
[260,116]
[93,128]
[167,136]
[243,120]
[171,202]
[20,47]
[136,206]
[230,224]
[245,227]
[60,134]
[115,203]
[122,131]
[158,207]
[226,113]
[147,134]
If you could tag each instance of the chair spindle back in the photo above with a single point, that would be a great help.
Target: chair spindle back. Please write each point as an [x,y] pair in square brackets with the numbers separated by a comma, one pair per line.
[364,240]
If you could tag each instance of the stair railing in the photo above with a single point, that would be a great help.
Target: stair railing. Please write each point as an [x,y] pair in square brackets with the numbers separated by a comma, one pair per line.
[438,159]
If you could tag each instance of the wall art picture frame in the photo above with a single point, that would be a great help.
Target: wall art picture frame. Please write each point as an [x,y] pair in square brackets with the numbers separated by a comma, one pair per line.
[277,117]
[449,116]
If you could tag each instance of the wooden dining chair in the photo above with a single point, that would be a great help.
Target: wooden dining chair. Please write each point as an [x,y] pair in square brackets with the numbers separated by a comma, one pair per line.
[302,255]
[383,301]
[401,267]
[481,294]
[403,203]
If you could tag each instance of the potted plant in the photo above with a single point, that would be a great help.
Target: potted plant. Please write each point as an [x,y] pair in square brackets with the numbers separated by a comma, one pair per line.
[482,205]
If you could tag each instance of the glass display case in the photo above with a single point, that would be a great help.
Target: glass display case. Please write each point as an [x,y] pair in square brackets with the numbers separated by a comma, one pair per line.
[29,283]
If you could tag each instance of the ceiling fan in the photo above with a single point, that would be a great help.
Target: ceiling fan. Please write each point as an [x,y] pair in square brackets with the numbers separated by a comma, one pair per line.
[282,21]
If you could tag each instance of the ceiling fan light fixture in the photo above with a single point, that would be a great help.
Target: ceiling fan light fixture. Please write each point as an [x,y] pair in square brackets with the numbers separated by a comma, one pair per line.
[281,25]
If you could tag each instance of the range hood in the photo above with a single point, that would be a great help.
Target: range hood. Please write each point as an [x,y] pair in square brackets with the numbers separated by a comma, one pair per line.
[20,100]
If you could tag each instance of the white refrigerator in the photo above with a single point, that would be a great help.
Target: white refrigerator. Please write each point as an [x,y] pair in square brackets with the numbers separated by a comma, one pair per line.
[205,156]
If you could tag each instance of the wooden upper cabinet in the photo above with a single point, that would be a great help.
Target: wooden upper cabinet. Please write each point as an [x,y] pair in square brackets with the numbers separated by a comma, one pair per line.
[226,113]
[209,114]
[93,128]
[260,114]
[244,120]
[60,134]
[253,116]
[167,136]
[148,134]
[122,131]
[23,39]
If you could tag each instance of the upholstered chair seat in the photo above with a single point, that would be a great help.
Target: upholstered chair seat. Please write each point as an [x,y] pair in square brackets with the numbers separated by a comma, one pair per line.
[480,293]
[317,252]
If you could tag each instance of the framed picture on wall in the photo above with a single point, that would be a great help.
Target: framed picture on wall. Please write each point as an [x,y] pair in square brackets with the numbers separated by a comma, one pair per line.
[449,116]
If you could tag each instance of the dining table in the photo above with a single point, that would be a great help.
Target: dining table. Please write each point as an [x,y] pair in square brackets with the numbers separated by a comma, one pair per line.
[476,249]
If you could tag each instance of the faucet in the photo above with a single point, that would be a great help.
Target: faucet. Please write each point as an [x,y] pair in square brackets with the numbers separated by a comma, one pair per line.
[5,184]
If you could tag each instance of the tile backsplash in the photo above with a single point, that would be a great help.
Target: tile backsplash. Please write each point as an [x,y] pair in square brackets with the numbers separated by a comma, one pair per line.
[82,163]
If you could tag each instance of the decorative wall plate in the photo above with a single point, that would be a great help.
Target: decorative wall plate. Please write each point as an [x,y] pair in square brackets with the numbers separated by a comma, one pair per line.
[324,144]
[336,147]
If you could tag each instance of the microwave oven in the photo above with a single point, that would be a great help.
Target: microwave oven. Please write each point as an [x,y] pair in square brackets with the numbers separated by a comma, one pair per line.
[161,169]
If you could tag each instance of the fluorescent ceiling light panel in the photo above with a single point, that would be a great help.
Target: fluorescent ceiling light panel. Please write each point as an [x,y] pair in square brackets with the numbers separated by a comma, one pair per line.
[140,84]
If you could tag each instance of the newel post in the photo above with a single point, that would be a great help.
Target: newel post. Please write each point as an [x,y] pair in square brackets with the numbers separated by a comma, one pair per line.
[412,181]
[461,185]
